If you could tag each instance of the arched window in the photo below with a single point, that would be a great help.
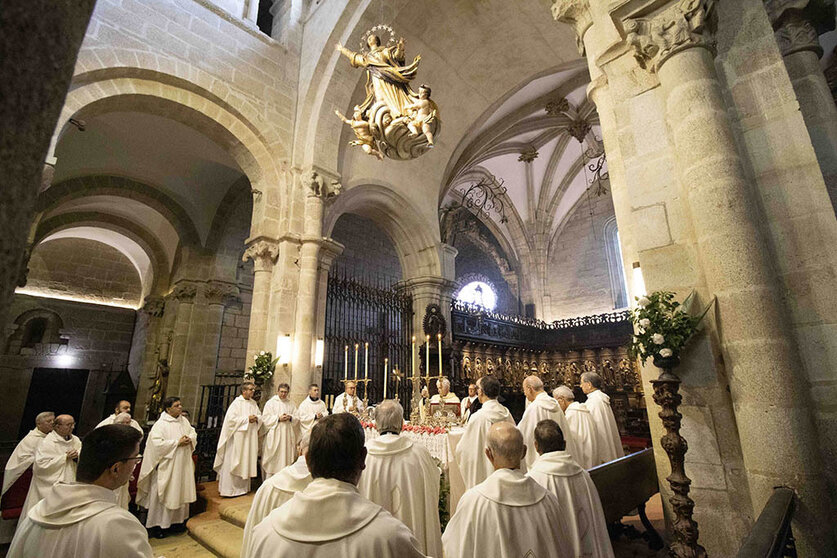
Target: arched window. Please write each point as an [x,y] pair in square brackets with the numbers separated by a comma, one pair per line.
[479,293]
[618,285]
[34,332]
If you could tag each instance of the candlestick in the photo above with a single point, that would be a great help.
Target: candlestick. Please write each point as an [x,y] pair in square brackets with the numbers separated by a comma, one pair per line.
[439,337]
[427,358]
[386,361]
[366,361]
[346,363]
[413,357]
[356,348]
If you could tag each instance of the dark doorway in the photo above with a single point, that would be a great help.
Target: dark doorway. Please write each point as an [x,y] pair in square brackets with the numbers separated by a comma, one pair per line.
[60,390]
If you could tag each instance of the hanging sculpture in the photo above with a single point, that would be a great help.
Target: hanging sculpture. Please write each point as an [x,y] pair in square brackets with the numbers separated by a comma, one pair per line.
[393,120]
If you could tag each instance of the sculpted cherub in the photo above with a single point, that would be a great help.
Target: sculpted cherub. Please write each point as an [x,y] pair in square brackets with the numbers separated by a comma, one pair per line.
[422,112]
[364,135]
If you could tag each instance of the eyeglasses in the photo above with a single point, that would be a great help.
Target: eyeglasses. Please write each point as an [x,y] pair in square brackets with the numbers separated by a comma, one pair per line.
[137,457]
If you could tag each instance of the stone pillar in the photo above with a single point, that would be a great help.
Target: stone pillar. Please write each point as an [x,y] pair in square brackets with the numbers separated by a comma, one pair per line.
[797,34]
[263,251]
[218,295]
[429,290]
[184,292]
[772,407]
[329,250]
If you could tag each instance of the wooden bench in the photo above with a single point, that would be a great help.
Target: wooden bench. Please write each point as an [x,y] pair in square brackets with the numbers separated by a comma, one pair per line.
[625,485]
[771,536]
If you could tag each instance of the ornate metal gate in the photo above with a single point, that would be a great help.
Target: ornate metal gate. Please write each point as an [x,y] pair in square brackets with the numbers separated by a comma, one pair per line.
[367,310]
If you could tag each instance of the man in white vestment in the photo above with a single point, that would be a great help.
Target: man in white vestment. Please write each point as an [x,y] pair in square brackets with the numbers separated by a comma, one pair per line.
[541,406]
[279,432]
[402,477]
[81,519]
[123,406]
[24,454]
[238,444]
[330,518]
[55,461]
[580,424]
[277,490]
[581,506]
[123,495]
[508,514]
[445,395]
[166,484]
[348,401]
[598,403]
[311,409]
[465,404]
[470,452]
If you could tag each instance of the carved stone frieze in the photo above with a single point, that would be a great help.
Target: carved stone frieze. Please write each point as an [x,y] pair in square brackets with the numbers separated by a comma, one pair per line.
[263,252]
[154,306]
[220,292]
[320,187]
[686,24]
[185,291]
[575,13]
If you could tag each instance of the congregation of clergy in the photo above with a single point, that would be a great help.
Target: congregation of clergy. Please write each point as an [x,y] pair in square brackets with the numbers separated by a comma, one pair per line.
[327,490]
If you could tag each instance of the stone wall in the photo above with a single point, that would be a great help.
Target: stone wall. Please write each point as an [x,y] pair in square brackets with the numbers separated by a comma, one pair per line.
[84,269]
[368,252]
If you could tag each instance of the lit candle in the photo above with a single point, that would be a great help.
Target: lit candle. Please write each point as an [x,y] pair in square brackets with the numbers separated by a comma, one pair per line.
[386,361]
[439,337]
[413,357]
[346,363]
[427,358]
[356,348]
[366,361]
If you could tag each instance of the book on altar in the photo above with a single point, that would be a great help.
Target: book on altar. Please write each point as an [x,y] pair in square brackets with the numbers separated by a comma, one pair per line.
[445,409]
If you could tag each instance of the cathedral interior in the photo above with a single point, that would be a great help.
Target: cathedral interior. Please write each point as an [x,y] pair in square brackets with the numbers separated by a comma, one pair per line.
[179,196]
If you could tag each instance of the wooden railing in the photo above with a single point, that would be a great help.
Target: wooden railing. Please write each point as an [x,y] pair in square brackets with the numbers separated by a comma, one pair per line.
[771,536]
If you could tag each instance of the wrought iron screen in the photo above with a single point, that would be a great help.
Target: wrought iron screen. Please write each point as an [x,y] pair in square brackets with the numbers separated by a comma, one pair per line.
[374,310]
[215,399]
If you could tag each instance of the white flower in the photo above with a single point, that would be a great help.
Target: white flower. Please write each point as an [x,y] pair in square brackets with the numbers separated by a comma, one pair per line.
[644,322]
[261,353]
[665,353]
[658,339]
[643,302]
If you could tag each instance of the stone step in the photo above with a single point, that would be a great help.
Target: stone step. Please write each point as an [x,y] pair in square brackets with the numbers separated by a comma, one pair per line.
[236,513]
[219,536]
[180,546]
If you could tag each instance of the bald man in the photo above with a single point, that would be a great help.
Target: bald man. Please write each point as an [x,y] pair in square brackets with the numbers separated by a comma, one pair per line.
[348,402]
[24,454]
[123,407]
[55,461]
[508,514]
[607,432]
[580,424]
[541,407]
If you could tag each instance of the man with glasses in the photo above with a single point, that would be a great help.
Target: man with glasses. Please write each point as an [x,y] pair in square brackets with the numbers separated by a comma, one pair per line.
[55,461]
[238,444]
[166,484]
[82,519]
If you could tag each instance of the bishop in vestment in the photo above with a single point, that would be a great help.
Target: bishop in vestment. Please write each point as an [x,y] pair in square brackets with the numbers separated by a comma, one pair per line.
[166,484]
[445,395]
[311,409]
[581,507]
[470,452]
[238,445]
[348,401]
[580,424]
[541,406]
[402,477]
[55,461]
[330,517]
[24,454]
[607,433]
[82,519]
[508,514]
[279,432]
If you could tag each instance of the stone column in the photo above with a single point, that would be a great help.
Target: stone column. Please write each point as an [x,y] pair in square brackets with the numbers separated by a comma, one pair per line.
[796,29]
[329,250]
[772,407]
[263,251]
[218,295]
[429,290]
[152,314]
[184,292]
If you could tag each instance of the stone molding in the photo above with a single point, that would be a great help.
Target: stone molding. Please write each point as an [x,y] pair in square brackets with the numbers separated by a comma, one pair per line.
[687,24]
[185,291]
[575,13]
[221,292]
[154,306]
[263,252]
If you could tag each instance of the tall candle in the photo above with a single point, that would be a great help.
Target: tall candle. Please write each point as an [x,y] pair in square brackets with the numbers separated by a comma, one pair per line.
[413,357]
[366,362]
[386,361]
[439,337]
[346,363]
[356,348]
[427,357]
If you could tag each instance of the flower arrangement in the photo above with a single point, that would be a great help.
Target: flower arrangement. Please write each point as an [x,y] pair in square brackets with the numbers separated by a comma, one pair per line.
[663,326]
[262,369]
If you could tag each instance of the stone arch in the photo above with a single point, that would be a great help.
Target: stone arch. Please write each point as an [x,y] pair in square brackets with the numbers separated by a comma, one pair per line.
[155,198]
[235,195]
[49,325]
[412,236]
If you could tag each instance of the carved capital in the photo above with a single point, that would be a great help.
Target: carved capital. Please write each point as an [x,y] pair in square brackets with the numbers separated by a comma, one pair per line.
[185,291]
[795,33]
[321,187]
[575,13]
[263,252]
[528,156]
[579,128]
[154,306]
[220,292]
[687,24]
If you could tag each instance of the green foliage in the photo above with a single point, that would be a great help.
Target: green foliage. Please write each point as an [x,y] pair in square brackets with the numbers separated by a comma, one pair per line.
[663,325]
[262,369]
[444,497]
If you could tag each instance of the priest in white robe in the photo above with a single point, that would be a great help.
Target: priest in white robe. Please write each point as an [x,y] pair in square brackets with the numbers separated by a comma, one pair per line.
[445,395]
[166,484]
[277,490]
[24,454]
[581,506]
[470,452]
[330,517]
[402,477]
[598,403]
[81,519]
[580,424]
[467,402]
[348,401]
[311,409]
[55,461]
[123,495]
[508,514]
[279,432]
[541,407]
[123,406]
[236,459]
